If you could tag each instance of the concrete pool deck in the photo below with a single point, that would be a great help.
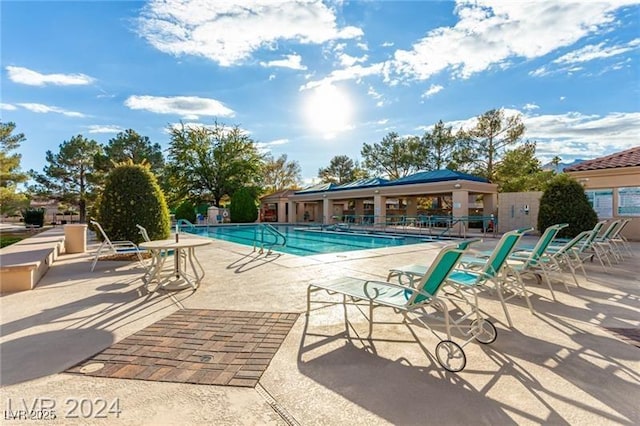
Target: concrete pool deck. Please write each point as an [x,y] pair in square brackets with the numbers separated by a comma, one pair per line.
[563,365]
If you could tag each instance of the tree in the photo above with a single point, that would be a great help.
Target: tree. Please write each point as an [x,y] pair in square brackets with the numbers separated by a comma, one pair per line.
[441,148]
[133,197]
[489,138]
[244,206]
[342,169]
[208,163]
[10,173]
[520,170]
[564,201]
[395,156]
[280,174]
[129,145]
[186,210]
[70,175]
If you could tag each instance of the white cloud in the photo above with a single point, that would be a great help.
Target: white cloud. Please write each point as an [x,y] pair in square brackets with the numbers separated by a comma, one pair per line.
[105,128]
[348,60]
[567,62]
[574,135]
[355,72]
[33,78]
[291,61]
[383,121]
[7,107]
[272,77]
[494,32]
[596,51]
[530,107]
[266,146]
[433,89]
[45,109]
[387,44]
[363,46]
[372,92]
[188,107]
[230,32]
[562,98]
[380,104]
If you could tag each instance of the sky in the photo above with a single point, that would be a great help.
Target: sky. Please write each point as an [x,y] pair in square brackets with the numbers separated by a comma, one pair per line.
[313,79]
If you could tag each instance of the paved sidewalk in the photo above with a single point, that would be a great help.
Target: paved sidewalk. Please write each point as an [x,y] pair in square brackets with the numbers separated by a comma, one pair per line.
[559,366]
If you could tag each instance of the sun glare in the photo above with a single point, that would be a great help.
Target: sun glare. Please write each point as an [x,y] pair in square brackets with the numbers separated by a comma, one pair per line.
[328,110]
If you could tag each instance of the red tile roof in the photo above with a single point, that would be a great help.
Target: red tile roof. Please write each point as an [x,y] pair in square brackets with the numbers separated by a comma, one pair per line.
[628,158]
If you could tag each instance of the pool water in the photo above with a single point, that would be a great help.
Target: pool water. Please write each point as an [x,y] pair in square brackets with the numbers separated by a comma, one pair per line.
[307,241]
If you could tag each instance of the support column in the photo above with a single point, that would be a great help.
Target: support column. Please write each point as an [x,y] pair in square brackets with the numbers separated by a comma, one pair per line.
[293,212]
[380,209]
[460,208]
[490,208]
[412,206]
[326,211]
[282,211]
[489,204]
[359,210]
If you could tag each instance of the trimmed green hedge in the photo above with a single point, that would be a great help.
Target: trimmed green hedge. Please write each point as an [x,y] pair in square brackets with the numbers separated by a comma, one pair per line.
[186,210]
[564,201]
[244,206]
[33,217]
[132,196]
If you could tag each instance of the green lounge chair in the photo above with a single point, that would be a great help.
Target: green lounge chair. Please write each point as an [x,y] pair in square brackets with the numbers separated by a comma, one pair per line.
[415,272]
[619,240]
[588,249]
[415,300]
[604,245]
[476,273]
[535,262]
[567,256]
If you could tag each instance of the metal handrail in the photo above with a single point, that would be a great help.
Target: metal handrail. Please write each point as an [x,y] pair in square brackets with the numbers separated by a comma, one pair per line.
[433,225]
[271,230]
[185,222]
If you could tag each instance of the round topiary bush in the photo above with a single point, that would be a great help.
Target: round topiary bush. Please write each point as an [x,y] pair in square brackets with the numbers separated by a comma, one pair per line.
[132,196]
[564,201]
[186,210]
[244,206]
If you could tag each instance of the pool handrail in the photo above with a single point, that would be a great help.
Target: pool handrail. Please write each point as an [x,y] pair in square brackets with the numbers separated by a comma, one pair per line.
[271,230]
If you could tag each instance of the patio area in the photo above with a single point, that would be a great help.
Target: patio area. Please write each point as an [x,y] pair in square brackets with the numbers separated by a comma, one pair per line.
[576,361]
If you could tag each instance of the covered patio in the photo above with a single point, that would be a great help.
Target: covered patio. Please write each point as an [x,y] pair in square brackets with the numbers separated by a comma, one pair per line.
[424,199]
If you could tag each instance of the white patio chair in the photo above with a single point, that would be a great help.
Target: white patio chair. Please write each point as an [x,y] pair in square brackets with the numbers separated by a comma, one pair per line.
[109,247]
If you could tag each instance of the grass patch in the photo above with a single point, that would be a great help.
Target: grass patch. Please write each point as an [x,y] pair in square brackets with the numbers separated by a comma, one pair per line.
[7,240]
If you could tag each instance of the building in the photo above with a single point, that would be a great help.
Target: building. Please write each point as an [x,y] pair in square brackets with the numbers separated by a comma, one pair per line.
[379,201]
[612,184]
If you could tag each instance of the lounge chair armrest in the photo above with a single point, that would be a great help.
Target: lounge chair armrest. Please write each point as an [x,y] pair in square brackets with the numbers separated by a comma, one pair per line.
[388,284]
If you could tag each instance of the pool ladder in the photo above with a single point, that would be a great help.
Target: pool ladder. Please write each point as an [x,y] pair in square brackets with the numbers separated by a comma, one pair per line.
[259,238]
[185,224]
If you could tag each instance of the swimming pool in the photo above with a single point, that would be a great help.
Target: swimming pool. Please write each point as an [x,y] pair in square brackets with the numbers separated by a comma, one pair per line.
[307,241]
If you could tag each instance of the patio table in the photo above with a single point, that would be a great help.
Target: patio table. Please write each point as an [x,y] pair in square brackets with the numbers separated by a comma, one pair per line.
[181,275]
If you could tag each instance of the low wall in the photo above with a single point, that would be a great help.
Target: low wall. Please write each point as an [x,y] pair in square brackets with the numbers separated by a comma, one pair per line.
[518,210]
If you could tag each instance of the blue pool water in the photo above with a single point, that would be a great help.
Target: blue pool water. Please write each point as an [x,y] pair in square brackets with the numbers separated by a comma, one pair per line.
[307,241]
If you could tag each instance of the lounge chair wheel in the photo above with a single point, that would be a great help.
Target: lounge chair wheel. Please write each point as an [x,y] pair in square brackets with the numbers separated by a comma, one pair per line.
[485,332]
[451,356]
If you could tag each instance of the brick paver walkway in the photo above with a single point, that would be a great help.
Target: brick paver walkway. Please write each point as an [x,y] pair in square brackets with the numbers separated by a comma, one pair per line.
[200,346]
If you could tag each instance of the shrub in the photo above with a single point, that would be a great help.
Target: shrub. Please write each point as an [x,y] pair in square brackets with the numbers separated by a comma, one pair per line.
[132,196]
[33,217]
[187,211]
[7,240]
[564,201]
[244,206]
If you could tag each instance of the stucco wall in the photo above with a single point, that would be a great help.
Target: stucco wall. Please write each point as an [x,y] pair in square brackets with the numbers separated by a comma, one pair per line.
[518,210]
[613,179]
